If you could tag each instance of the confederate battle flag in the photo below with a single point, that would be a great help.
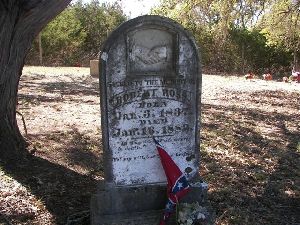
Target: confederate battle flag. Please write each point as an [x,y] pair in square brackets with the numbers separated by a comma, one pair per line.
[177,185]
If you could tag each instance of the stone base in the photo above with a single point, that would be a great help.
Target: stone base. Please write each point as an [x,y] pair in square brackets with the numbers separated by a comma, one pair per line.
[138,218]
[137,205]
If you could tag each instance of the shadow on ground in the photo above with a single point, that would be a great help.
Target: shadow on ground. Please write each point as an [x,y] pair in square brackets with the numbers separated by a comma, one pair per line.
[251,160]
[60,91]
[62,190]
[71,148]
[63,166]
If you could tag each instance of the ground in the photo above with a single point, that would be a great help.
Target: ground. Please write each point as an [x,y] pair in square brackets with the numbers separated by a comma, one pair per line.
[250,149]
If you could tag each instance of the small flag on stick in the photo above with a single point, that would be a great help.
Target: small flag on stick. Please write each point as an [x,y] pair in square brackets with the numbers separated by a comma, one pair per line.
[177,186]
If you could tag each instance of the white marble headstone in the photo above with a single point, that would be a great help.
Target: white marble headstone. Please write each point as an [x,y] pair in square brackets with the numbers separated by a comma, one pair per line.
[149,82]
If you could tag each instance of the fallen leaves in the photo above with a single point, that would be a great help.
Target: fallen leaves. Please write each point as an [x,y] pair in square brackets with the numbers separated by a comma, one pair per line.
[249,148]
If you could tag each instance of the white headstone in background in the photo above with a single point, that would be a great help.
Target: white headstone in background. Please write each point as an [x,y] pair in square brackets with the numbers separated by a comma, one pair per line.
[94,68]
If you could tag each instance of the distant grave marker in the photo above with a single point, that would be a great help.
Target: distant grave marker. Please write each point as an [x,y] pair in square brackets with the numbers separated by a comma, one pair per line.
[94,68]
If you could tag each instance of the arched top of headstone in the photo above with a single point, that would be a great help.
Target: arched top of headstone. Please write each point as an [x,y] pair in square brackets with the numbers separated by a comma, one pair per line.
[160,27]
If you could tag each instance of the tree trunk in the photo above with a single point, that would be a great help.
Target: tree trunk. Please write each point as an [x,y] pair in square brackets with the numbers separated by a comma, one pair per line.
[20,22]
[40,49]
[243,58]
[296,66]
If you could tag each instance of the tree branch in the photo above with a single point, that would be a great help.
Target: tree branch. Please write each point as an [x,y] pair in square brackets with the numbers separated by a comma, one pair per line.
[39,13]
[23,120]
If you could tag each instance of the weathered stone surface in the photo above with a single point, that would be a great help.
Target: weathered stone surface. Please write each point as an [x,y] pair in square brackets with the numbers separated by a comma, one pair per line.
[94,68]
[149,87]
[137,218]
[130,199]
[136,205]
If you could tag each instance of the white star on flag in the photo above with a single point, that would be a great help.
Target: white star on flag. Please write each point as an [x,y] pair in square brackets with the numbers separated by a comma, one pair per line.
[169,205]
[180,185]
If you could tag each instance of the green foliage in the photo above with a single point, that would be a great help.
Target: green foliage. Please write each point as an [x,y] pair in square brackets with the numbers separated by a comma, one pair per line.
[77,34]
[234,36]
[259,56]
[98,20]
[228,34]
[281,24]
[282,28]
[63,37]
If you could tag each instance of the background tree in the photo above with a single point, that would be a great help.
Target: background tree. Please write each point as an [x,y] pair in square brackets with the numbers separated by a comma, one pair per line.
[281,24]
[20,22]
[77,34]
[98,20]
[228,33]
[62,38]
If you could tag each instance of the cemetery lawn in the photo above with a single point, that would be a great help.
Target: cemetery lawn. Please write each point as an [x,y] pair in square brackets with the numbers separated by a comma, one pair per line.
[250,149]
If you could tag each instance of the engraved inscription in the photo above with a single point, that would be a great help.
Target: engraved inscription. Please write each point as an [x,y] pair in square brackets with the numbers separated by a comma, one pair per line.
[151,107]
[151,88]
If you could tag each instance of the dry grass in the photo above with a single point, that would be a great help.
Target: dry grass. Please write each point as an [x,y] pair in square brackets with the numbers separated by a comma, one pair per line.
[250,148]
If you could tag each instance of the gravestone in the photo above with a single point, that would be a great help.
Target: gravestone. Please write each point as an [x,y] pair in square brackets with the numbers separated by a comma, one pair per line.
[94,68]
[150,87]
